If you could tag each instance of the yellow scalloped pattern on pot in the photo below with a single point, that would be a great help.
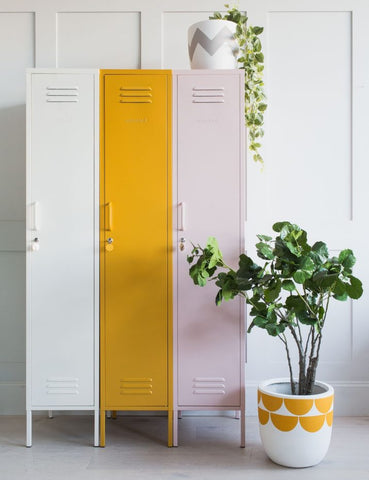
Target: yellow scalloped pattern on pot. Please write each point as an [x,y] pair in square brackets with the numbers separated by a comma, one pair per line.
[286,413]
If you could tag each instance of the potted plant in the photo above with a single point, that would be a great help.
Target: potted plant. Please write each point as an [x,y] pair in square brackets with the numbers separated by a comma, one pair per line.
[227,41]
[289,296]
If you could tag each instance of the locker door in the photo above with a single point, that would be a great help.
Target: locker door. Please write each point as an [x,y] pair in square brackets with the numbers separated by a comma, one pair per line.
[136,219]
[208,340]
[61,217]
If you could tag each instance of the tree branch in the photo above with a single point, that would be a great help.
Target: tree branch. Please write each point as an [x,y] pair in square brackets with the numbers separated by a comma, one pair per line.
[284,340]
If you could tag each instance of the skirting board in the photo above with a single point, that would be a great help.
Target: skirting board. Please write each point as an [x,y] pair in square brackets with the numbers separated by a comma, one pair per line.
[351,399]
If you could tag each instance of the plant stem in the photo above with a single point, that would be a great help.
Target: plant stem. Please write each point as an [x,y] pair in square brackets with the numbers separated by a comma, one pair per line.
[284,340]
[307,340]
[315,349]
[306,303]
[313,363]
[326,309]
[302,360]
[299,329]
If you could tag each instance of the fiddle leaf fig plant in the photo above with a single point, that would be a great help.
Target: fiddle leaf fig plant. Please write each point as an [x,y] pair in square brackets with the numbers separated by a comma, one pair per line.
[289,293]
[251,59]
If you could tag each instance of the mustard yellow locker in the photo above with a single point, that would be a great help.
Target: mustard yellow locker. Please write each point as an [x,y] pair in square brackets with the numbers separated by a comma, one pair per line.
[135,283]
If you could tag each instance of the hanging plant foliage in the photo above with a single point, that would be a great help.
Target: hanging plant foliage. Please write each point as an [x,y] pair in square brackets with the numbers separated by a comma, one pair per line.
[251,60]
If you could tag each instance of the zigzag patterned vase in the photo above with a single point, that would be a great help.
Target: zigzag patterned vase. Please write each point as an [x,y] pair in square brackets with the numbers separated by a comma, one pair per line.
[295,430]
[211,45]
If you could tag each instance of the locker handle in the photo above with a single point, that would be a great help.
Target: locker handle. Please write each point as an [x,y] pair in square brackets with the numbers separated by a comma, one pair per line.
[35,224]
[182,216]
[109,217]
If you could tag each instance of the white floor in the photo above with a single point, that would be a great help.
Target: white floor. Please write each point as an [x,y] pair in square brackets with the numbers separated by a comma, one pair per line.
[136,449]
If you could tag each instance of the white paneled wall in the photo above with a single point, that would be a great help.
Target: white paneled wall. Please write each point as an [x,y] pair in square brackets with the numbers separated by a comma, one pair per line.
[310,110]
[315,147]
[82,47]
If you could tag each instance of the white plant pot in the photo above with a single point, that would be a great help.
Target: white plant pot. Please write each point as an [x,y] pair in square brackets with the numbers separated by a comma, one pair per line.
[295,429]
[211,45]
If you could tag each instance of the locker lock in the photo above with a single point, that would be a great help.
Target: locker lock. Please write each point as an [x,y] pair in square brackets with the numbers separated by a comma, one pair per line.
[182,244]
[109,247]
[35,245]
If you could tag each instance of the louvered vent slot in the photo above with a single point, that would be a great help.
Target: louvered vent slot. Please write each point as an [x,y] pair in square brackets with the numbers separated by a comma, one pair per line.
[208,95]
[208,386]
[62,385]
[136,386]
[62,94]
[135,95]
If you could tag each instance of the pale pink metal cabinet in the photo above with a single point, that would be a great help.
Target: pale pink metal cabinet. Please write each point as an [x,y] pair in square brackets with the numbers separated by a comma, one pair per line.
[208,164]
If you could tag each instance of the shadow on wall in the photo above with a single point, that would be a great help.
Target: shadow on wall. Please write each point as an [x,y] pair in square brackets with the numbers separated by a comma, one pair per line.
[12,163]
[12,259]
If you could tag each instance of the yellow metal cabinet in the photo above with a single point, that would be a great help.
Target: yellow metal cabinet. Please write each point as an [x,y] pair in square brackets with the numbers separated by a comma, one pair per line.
[136,268]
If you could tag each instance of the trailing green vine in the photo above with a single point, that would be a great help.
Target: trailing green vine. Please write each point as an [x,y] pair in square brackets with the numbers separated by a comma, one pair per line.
[251,60]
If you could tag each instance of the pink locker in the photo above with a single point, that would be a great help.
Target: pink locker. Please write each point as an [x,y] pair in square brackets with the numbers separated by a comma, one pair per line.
[208,164]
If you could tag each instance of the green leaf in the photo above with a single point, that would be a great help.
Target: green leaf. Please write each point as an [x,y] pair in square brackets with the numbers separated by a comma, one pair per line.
[300,276]
[272,292]
[216,257]
[307,265]
[264,238]
[264,251]
[259,57]
[342,297]
[275,329]
[277,227]
[324,280]
[320,251]
[247,267]
[257,30]
[347,259]
[294,302]
[218,298]
[307,319]
[256,44]
[355,288]
[288,285]
[260,321]
[258,309]
[199,275]
[339,289]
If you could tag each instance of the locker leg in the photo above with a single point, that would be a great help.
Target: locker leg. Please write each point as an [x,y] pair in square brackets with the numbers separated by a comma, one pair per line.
[29,429]
[237,414]
[96,428]
[50,414]
[175,428]
[102,428]
[179,414]
[243,427]
[114,414]
[170,428]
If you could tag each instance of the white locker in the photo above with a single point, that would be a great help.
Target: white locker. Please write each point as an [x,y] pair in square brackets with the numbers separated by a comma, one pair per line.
[62,242]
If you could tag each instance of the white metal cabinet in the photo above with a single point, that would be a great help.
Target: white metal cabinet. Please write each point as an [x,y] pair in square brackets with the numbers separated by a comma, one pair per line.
[208,201]
[62,242]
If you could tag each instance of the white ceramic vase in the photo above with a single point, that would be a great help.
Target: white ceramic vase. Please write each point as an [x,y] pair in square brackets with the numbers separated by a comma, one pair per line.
[211,45]
[295,429]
